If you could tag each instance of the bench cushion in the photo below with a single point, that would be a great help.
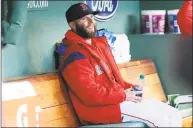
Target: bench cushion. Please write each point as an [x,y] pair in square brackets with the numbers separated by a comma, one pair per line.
[128,124]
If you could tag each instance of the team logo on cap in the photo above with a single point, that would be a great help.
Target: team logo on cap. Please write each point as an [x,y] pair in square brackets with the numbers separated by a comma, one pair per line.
[106,8]
[84,7]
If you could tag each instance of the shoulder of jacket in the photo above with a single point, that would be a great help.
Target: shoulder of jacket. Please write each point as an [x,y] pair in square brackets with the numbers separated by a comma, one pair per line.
[76,48]
[102,40]
[73,54]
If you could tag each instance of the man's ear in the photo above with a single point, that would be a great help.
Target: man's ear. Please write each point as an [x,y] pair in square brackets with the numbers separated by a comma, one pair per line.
[72,25]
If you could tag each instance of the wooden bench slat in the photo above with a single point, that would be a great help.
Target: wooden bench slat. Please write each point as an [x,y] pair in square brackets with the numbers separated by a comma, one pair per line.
[46,115]
[135,71]
[47,87]
[187,122]
[41,77]
[38,79]
[69,121]
[134,63]
[149,79]
[54,113]
[42,87]
[63,122]
[155,92]
[43,101]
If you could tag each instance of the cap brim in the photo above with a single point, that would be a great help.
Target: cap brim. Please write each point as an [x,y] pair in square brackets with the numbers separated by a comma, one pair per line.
[95,12]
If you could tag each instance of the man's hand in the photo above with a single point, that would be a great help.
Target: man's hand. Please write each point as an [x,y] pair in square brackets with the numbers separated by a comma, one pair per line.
[131,96]
[137,89]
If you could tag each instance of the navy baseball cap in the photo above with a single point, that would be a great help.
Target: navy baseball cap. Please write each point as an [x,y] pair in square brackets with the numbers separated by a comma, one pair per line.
[77,11]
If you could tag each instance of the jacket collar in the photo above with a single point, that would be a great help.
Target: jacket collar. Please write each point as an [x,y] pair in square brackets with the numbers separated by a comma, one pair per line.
[70,35]
[75,38]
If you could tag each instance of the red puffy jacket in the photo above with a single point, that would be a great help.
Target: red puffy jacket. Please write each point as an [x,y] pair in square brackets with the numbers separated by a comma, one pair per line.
[95,84]
[184,18]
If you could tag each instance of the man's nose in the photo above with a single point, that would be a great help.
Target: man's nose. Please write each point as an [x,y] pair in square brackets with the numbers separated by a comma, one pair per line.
[91,20]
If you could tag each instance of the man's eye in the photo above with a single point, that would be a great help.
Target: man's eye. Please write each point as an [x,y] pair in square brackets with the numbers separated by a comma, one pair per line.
[92,16]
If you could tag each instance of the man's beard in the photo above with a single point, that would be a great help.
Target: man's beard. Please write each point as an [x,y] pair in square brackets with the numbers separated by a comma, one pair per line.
[81,31]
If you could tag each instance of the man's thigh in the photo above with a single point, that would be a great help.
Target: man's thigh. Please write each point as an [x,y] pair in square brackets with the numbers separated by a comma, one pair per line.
[149,110]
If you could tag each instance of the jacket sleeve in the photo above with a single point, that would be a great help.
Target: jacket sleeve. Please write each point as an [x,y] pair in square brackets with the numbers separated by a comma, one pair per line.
[79,75]
[127,85]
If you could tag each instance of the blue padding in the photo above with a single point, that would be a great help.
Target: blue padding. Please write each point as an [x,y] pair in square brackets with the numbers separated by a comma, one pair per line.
[128,124]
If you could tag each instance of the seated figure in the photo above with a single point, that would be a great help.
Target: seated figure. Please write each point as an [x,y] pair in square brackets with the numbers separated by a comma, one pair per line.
[97,90]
